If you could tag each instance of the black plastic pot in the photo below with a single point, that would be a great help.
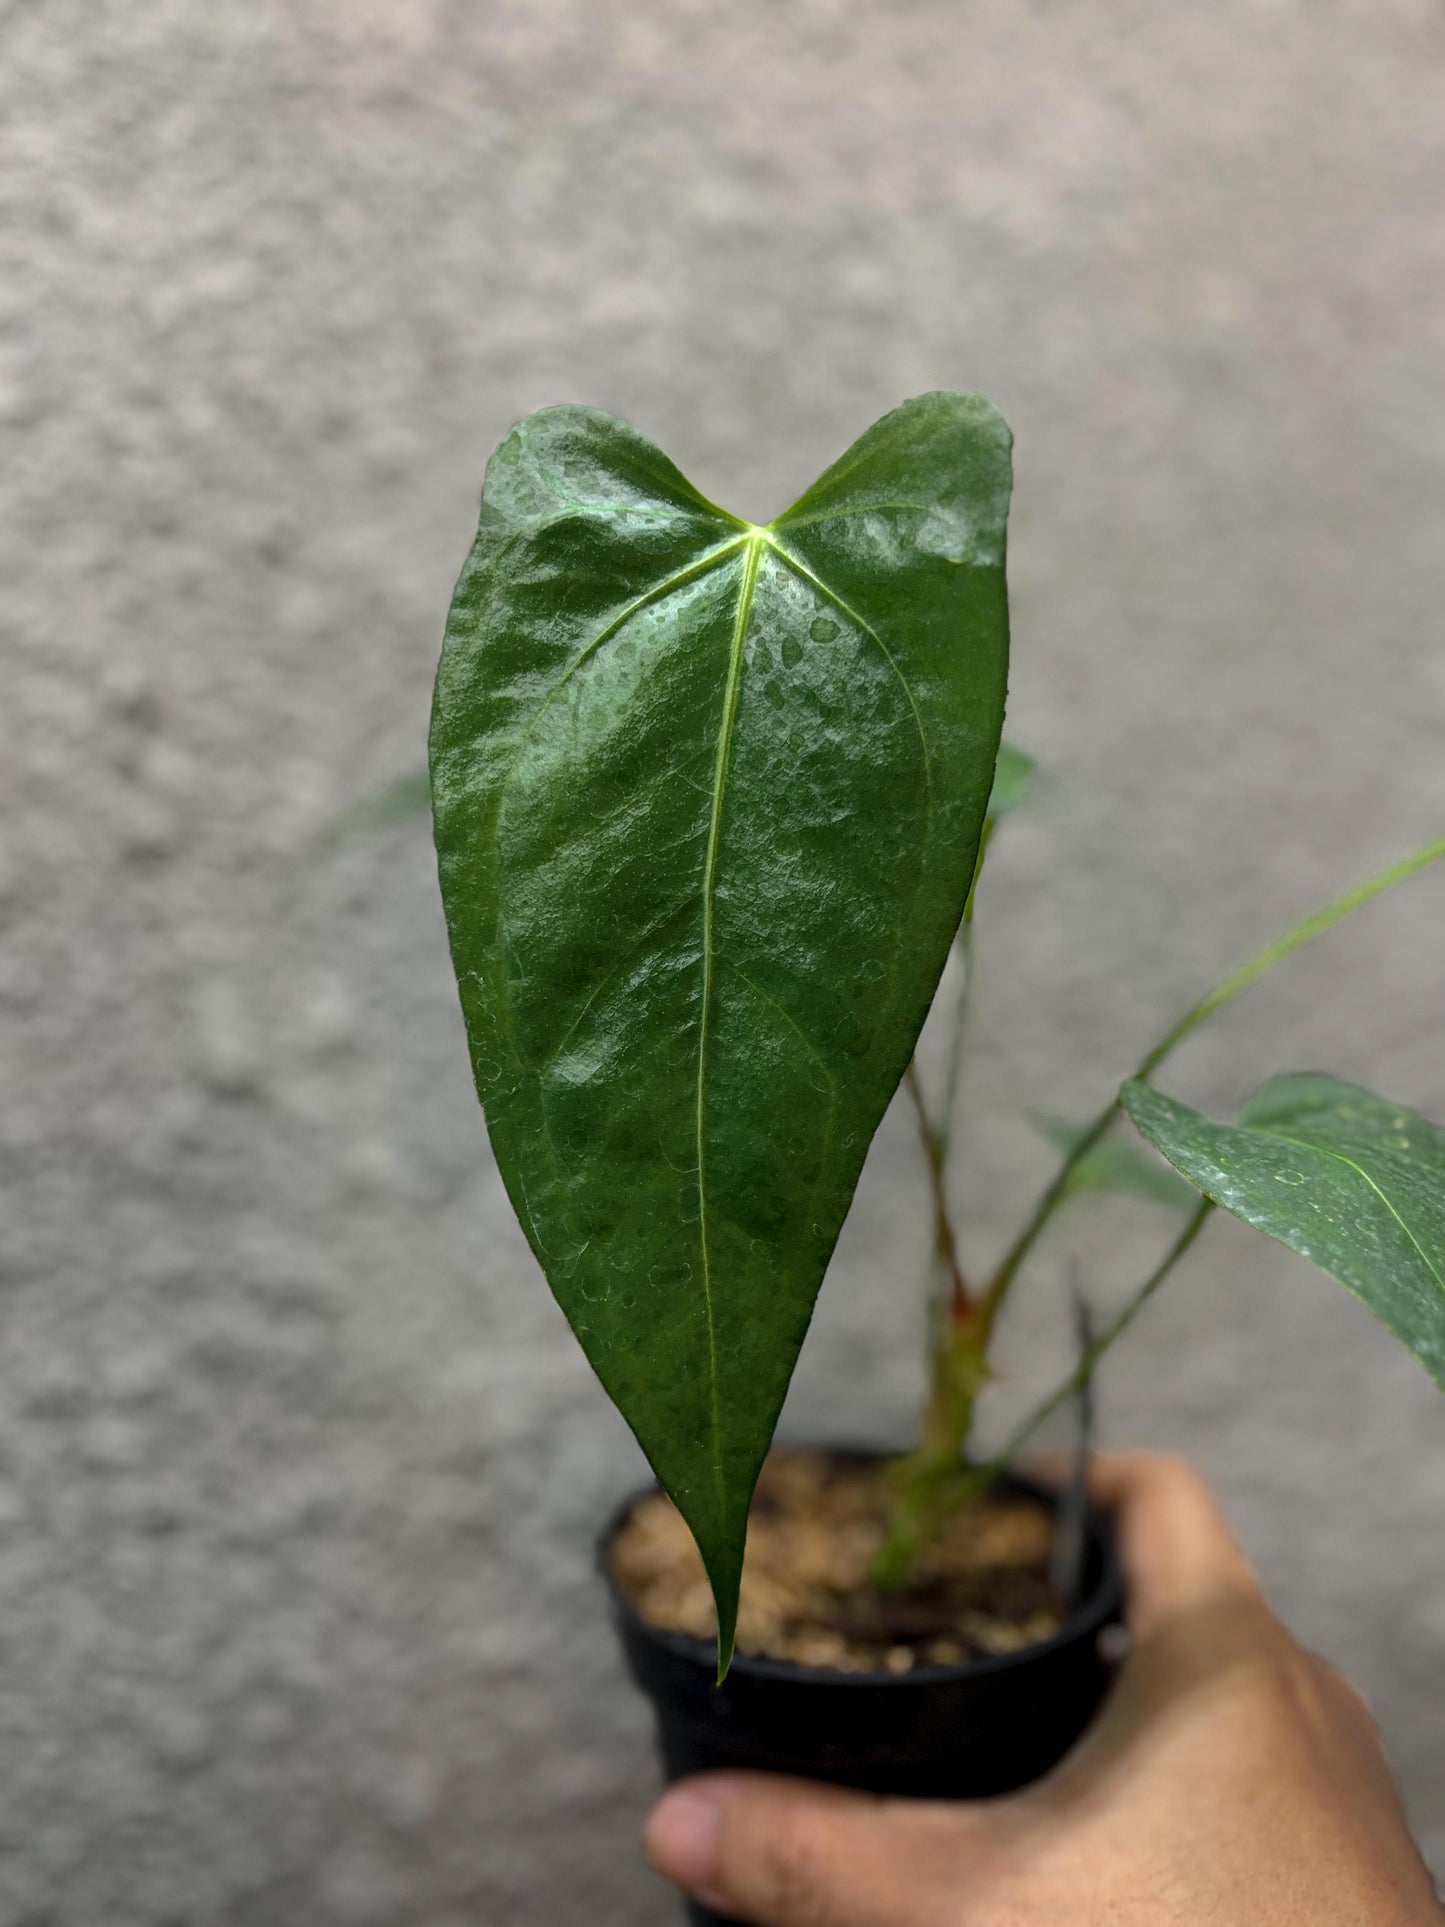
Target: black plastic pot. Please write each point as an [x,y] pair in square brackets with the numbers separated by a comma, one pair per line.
[961,1732]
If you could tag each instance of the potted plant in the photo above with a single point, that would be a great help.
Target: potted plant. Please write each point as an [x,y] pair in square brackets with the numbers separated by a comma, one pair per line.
[711,801]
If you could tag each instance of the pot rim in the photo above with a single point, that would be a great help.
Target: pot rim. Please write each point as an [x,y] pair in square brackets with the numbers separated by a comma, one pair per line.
[1102,1605]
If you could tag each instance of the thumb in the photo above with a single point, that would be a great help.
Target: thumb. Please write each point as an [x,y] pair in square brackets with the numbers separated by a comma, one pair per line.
[787,1853]
[1178,1551]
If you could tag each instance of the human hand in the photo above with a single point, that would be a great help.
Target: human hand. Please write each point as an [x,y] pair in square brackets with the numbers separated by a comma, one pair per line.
[1232,1779]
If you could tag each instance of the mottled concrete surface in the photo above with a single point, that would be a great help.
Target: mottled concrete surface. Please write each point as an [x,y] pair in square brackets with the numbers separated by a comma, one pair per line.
[298,1467]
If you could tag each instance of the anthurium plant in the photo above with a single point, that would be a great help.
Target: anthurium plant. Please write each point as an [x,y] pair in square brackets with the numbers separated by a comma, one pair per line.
[711,801]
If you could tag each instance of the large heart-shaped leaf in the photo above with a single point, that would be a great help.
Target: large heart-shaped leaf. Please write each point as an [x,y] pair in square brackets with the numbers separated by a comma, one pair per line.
[708,798]
[1343,1177]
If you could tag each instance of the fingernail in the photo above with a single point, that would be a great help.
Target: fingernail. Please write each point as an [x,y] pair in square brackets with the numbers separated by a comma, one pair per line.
[682,1837]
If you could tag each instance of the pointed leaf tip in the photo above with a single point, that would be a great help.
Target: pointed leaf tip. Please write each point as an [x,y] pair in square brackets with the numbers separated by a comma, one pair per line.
[1111,1166]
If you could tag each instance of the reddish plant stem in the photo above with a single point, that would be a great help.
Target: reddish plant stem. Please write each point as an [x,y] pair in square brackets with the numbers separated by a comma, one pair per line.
[960,1305]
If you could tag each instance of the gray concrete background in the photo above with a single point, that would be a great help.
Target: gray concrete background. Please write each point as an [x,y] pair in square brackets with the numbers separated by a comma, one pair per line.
[298,1466]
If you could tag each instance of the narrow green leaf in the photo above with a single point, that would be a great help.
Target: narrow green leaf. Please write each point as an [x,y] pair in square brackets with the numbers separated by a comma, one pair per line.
[1109,1165]
[1344,1178]
[1013,778]
[707,798]
[402,801]
[1013,782]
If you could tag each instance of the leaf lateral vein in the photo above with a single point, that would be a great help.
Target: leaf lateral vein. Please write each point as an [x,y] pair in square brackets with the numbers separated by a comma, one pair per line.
[801,569]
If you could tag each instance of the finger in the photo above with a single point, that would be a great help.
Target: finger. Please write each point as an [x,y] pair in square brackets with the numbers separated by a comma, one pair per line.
[785,1853]
[1178,1552]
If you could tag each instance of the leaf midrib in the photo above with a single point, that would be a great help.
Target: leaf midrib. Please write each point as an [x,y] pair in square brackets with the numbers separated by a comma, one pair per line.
[746,593]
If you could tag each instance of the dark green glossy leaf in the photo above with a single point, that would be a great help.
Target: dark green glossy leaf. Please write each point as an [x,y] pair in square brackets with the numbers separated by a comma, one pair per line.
[1112,1166]
[707,798]
[1342,1177]
[1013,782]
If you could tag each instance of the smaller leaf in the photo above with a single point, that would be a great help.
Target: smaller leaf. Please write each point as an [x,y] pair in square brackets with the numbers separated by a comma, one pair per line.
[1013,782]
[1350,1181]
[1013,777]
[1112,1166]
[401,801]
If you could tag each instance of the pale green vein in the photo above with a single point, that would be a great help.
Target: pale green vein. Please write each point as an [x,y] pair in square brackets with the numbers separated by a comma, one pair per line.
[629,957]
[1329,1151]
[709,873]
[605,634]
[800,568]
[765,996]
